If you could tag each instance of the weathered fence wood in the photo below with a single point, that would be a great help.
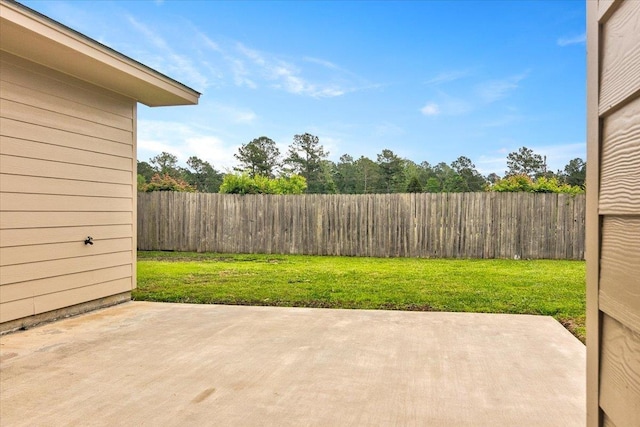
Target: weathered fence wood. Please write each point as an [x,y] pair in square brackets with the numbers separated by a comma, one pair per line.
[447,225]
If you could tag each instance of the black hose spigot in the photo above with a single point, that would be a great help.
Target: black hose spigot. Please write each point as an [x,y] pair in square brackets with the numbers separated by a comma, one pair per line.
[88,240]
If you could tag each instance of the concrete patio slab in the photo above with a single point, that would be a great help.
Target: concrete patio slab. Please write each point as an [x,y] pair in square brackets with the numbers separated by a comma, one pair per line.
[175,364]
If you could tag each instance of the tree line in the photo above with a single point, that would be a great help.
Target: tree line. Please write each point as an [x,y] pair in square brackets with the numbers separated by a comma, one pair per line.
[305,168]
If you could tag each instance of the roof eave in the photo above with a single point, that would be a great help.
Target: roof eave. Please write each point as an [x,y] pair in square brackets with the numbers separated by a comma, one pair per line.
[28,34]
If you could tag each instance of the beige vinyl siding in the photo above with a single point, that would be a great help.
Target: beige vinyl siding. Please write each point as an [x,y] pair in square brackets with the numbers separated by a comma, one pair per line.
[613,225]
[620,269]
[47,234]
[67,171]
[620,62]
[620,162]
[37,150]
[29,254]
[18,291]
[22,220]
[32,132]
[619,384]
[51,169]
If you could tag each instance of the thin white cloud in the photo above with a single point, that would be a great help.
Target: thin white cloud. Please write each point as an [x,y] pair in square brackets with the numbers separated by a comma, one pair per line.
[150,35]
[330,92]
[560,154]
[330,144]
[557,155]
[81,20]
[234,114]
[214,150]
[453,106]
[200,61]
[323,62]
[484,93]
[487,164]
[156,136]
[431,109]
[494,90]
[290,81]
[287,76]
[348,77]
[254,55]
[241,74]
[448,76]
[568,41]
[447,105]
[184,141]
[214,71]
[450,105]
[167,60]
[208,42]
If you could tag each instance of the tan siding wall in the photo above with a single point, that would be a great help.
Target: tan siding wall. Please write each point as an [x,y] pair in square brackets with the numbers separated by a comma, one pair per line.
[17,291]
[620,163]
[620,383]
[614,282]
[620,270]
[67,171]
[620,61]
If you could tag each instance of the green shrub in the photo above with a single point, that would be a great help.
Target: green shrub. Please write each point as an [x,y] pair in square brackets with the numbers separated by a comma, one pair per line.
[242,183]
[294,184]
[165,183]
[516,183]
[552,185]
[513,183]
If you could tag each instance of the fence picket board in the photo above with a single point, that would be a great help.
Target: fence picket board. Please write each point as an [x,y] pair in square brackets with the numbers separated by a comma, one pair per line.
[452,225]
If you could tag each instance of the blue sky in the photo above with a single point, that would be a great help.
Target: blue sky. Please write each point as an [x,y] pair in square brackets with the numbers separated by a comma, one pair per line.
[430,80]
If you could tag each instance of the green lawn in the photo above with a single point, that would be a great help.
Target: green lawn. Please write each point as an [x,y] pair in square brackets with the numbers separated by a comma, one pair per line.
[554,288]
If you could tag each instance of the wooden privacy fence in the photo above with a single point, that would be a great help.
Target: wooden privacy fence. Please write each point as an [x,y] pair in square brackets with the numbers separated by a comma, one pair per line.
[429,225]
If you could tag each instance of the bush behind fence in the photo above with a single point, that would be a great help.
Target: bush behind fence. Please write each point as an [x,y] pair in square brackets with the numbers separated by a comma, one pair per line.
[428,225]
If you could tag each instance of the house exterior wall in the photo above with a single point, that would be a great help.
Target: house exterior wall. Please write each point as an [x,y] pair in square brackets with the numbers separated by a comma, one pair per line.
[67,171]
[613,223]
